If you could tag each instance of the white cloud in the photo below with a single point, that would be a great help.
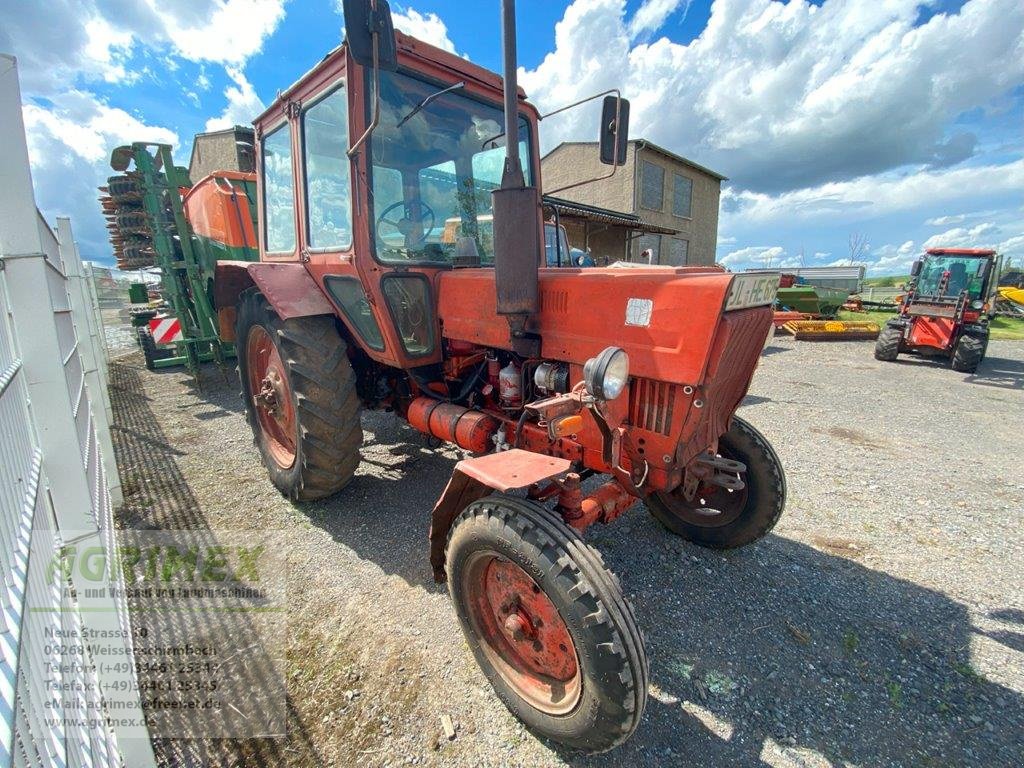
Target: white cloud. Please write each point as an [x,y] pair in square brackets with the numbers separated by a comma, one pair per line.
[62,43]
[243,104]
[225,31]
[69,146]
[755,255]
[981,236]
[893,259]
[653,13]
[782,96]
[945,221]
[427,27]
[871,196]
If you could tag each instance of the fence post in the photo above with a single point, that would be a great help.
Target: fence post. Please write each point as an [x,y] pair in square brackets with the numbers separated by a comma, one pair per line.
[88,347]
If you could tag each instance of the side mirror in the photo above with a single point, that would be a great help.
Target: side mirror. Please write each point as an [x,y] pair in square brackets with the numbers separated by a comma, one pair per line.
[614,135]
[915,268]
[365,20]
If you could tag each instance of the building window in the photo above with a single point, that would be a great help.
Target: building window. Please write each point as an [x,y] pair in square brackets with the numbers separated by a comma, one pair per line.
[677,251]
[682,195]
[652,243]
[652,186]
[328,180]
[278,191]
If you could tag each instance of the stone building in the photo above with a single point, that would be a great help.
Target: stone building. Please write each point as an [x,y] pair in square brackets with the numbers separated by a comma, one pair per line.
[662,188]
[228,150]
[605,234]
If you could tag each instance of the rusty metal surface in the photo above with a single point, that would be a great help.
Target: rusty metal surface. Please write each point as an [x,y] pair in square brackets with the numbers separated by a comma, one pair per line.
[290,289]
[510,470]
[460,491]
[605,504]
[517,250]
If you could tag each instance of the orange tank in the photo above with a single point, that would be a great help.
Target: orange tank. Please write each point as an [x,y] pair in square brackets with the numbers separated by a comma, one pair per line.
[468,429]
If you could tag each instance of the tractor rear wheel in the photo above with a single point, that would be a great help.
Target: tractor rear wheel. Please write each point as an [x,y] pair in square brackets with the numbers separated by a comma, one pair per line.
[547,623]
[299,392]
[887,347]
[968,353]
[722,518]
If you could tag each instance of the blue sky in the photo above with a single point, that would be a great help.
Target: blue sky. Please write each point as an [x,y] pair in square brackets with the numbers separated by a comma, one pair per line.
[893,122]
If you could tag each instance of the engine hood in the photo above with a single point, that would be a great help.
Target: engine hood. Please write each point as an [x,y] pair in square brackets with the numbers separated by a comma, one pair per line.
[664,318]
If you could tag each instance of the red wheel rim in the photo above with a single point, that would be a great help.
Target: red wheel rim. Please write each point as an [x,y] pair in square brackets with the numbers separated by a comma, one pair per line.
[712,506]
[522,634]
[271,396]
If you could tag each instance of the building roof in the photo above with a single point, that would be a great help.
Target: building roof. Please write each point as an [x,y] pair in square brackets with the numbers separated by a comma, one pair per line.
[576,210]
[644,143]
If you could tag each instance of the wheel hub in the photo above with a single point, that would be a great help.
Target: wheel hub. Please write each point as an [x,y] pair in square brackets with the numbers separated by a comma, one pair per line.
[522,632]
[271,396]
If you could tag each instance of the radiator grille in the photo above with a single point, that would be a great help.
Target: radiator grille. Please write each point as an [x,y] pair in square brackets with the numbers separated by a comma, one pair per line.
[651,404]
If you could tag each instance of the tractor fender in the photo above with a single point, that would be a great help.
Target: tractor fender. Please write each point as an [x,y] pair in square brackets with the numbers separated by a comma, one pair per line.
[478,477]
[289,288]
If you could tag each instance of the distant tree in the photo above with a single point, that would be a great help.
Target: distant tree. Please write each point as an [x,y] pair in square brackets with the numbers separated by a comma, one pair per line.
[858,247]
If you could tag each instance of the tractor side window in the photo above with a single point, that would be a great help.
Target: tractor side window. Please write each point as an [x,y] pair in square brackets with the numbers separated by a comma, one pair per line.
[278,191]
[327,169]
[408,299]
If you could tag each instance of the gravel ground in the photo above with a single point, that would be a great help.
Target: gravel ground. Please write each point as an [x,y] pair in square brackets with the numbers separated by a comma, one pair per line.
[880,624]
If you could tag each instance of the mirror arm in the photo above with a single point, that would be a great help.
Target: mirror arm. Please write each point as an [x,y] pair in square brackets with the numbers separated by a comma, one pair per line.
[618,117]
[376,94]
[567,107]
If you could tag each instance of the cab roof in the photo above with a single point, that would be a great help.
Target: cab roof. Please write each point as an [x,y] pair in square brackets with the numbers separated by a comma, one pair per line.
[408,46]
[960,252]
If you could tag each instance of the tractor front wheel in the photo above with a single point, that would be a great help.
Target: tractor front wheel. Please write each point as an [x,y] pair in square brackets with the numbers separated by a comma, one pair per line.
[547,623]
[968,353]
[887,347]
[722,518]
[300,398]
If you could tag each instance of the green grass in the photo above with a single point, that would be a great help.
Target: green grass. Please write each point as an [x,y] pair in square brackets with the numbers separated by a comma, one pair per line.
[1003,328]
[889,281]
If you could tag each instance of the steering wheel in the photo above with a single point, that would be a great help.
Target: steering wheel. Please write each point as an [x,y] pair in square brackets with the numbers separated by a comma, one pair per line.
[405,224]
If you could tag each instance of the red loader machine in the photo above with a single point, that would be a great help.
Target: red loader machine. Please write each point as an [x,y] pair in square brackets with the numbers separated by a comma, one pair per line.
[358,301]
[946,310]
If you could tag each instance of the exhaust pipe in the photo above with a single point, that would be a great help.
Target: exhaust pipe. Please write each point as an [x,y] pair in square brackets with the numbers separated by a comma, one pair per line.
[518,243]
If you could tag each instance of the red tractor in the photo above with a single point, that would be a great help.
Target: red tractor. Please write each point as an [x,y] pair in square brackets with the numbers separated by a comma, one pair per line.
[946,309]
[361,300]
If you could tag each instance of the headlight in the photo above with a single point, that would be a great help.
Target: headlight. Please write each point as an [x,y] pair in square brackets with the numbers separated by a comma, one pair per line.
[605,376]
[977,304]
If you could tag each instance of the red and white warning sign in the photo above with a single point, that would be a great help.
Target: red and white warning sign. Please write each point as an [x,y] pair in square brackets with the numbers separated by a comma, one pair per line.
[165,330]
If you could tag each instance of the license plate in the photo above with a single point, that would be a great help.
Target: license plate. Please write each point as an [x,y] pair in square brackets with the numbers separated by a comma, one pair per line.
[752,291]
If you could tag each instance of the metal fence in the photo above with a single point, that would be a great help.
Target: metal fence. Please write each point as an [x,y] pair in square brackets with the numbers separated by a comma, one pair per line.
[60,705]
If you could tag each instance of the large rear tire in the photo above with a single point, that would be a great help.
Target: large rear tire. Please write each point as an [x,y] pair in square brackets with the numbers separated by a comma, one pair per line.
[887,347]
[547,623]
[299,392]
[969,352]
[725,519]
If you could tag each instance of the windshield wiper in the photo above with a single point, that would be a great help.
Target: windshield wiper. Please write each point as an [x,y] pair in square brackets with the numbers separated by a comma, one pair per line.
[430,98]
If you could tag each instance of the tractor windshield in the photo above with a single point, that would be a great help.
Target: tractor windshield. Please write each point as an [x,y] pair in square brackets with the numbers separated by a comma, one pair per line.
[964,273]
[433,170]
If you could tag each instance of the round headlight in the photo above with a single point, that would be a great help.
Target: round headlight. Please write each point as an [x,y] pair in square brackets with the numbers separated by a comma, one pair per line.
[977,304]
[605,376]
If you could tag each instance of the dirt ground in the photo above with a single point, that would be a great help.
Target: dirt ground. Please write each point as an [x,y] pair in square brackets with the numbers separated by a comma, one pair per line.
[880,624]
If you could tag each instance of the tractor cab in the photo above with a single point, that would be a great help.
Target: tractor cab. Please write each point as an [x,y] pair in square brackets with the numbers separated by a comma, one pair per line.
[951,273]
